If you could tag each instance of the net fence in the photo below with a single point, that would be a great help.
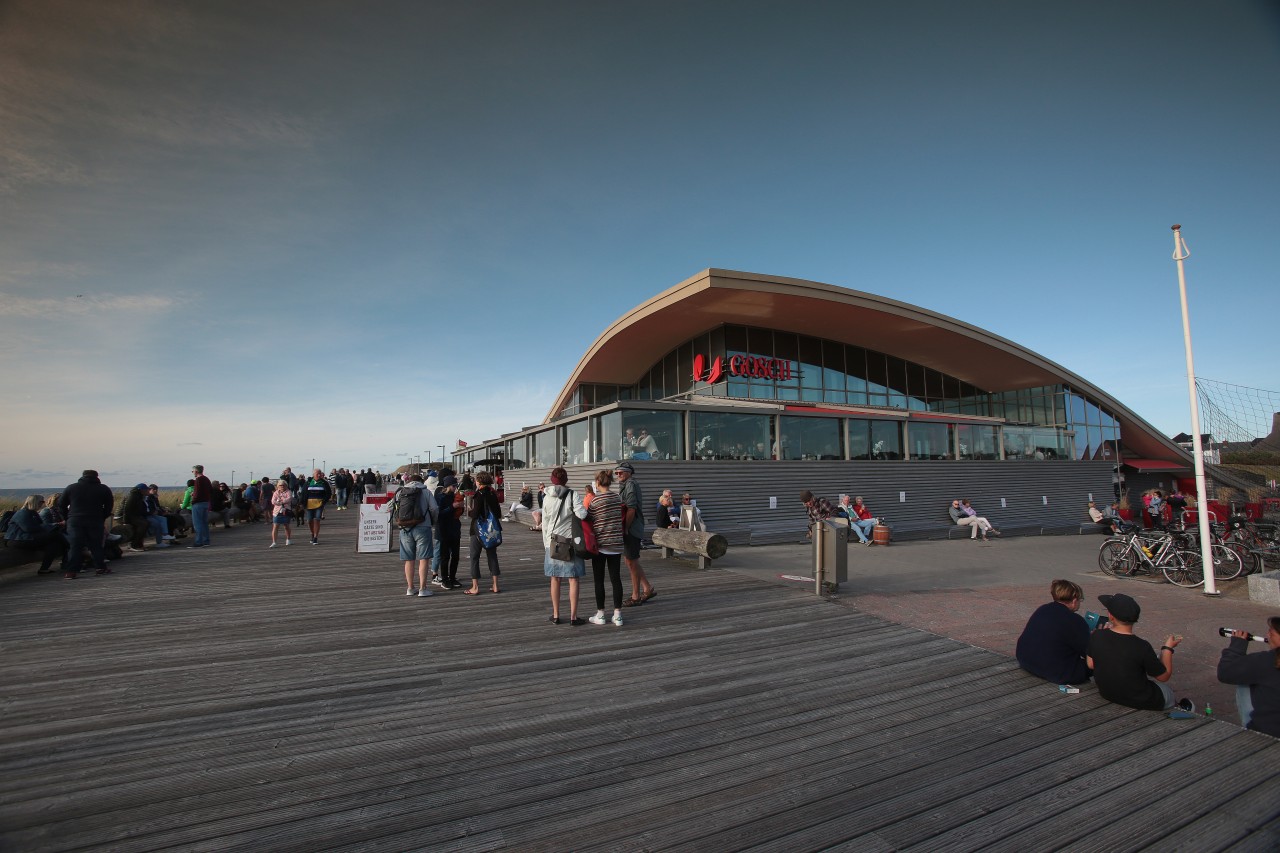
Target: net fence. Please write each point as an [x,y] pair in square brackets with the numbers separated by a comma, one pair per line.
[1242,426]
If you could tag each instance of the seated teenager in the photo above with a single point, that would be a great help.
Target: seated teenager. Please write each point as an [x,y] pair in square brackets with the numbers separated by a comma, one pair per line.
[1126,669]
[1055,641]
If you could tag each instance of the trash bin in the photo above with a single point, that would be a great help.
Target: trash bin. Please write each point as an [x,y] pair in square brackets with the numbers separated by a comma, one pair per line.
[830,554]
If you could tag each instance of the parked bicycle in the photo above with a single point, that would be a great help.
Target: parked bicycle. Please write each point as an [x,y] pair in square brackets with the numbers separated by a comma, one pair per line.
[1151,553]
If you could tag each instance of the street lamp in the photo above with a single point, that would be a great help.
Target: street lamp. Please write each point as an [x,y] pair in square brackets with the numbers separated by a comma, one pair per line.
[442,454]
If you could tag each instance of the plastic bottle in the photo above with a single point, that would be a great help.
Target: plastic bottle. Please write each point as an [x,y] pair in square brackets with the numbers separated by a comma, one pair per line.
[1208,709]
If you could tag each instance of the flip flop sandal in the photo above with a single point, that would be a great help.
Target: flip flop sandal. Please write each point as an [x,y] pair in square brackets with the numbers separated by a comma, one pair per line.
[633,602]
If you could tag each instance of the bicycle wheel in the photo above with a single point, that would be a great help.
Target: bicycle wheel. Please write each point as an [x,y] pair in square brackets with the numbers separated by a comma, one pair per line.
[1115,557]
[1185,569]
[1250,561]
[1227,564]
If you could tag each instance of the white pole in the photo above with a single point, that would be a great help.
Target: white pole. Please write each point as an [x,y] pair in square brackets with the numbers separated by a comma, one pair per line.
[1180,254]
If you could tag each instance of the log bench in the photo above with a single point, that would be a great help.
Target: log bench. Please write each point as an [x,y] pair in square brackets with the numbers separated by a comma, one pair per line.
[708,546]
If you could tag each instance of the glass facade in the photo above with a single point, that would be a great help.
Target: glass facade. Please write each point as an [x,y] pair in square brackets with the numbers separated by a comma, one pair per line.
[744,363]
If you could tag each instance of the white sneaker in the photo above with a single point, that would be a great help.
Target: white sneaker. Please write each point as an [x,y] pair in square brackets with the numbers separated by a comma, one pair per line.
[617,619]
[131,548]
[272,545]
[410,591]
[425,593]
[598,619]
[288,541]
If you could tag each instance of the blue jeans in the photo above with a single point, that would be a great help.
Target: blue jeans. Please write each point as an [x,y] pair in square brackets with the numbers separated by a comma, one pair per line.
[862,527]
[435,556]
[200,521]
[343,496]
[158,525]
[1244,703]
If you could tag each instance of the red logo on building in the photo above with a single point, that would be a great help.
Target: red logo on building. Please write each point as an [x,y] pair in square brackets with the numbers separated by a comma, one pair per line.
[741,365]
[700,373]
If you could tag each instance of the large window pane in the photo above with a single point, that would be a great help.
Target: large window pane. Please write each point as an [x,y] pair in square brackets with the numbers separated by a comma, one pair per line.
[652,435]
[886,440]
[516,453]
[544,449]
[575,448]
[930,441]
[730,436]
[859,439]
[609,437]
[810,363]
[809,438]
[977,441]
[786,348]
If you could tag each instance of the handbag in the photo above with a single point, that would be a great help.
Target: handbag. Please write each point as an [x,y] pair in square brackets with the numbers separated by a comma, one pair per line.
[562,547]
[488,531]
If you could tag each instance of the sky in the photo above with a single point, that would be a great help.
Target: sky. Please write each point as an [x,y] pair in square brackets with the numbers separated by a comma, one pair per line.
[251,234]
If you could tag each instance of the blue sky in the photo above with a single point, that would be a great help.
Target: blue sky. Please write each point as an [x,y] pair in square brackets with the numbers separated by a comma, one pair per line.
[221,223]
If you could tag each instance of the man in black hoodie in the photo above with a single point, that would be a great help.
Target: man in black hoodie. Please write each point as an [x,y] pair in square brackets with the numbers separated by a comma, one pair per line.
[86,504]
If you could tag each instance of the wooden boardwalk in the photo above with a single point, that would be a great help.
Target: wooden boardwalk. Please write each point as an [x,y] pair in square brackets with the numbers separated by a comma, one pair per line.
[296,699]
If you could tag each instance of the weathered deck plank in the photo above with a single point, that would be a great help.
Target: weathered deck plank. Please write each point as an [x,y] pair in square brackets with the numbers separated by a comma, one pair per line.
[296,699]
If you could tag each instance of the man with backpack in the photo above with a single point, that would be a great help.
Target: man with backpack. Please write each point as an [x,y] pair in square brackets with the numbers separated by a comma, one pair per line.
[414,512]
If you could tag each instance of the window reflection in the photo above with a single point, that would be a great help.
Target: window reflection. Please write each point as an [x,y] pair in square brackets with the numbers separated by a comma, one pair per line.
[718,435]
[808,438]
[651,435]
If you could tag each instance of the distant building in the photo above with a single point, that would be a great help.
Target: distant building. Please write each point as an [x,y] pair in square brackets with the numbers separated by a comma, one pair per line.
[1211,449]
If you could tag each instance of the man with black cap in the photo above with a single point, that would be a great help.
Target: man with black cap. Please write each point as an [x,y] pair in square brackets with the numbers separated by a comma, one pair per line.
[1124,664]
[632,533]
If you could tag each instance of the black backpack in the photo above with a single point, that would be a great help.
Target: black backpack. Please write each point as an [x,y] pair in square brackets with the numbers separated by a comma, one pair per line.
[406,510]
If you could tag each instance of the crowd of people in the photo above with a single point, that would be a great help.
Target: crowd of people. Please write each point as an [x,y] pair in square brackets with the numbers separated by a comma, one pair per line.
[1065,648]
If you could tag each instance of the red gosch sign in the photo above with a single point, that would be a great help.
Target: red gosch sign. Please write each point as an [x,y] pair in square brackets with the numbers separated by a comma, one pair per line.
[755,367]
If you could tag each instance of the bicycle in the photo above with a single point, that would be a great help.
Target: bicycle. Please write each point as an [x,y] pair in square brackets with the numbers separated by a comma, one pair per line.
[1148,553]
[1256,550]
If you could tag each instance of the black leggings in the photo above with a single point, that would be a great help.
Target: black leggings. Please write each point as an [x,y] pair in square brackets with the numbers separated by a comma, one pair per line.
[490,553]
[614,562]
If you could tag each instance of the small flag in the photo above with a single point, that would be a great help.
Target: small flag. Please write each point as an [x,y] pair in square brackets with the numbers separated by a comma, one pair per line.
[461,443]
[1273,485]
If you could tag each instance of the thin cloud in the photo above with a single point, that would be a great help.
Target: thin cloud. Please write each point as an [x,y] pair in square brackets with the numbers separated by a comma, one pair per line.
[32,307]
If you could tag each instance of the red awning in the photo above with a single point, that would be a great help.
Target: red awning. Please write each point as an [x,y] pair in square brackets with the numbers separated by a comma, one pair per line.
[1155,465]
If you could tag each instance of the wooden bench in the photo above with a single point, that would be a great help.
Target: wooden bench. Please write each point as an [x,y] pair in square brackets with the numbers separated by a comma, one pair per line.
[522,515]
[707,545]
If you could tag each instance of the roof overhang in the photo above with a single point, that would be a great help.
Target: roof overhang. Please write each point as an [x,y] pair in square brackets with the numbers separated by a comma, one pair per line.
[633,342]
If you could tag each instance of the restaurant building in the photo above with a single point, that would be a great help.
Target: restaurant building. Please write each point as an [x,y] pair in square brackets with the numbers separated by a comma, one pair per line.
[744,389]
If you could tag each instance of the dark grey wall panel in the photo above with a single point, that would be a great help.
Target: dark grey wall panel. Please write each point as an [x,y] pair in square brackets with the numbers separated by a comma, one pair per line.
[736,493]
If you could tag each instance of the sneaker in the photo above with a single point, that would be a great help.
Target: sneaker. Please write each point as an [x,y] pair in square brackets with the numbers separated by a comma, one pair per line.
[1186,705]
[288,541]
[272,545]
[598,619]
[168,538]
[617,619]
[437,582]
[162,544]
[114,537]
[139,550]
[410,591]
[425,593]
[315,541]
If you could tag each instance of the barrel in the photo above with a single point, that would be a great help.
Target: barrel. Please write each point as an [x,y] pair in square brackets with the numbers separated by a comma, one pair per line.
[880,535]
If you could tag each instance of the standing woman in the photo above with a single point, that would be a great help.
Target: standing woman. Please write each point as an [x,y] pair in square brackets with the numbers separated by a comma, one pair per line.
[281,512]
[558,511]
[605,515]
[484,500]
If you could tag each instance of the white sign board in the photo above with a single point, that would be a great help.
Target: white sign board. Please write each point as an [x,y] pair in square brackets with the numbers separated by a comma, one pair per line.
[374,536]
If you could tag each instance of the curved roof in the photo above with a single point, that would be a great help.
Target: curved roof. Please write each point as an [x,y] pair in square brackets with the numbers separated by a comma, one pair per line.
[633,342]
